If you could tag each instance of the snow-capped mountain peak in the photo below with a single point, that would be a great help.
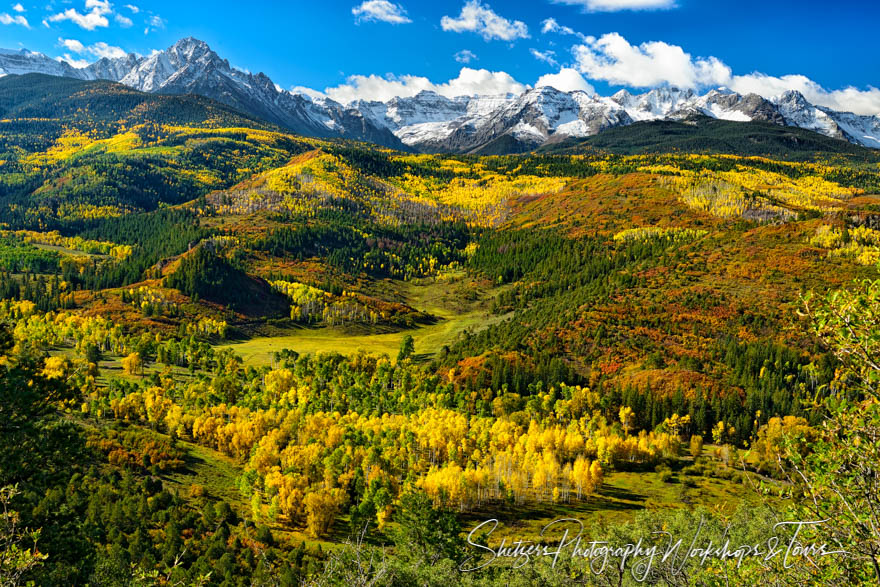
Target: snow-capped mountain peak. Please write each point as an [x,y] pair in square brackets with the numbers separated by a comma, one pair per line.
[793,99]
[23,61]
[797,111]
[190,49]
[433,122]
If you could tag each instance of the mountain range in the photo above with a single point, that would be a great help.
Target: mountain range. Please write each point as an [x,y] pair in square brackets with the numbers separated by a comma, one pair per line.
[429,122]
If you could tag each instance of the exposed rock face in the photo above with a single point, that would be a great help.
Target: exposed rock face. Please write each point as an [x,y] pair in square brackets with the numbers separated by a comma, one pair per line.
[429,122]
[24,61]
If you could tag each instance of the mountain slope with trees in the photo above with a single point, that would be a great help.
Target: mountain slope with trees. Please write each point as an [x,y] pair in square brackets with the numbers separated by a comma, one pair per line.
[230,355]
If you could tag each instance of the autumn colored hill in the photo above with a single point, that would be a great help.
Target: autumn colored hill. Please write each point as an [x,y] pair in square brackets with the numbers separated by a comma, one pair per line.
[281,341]
[106,105]
[73,150]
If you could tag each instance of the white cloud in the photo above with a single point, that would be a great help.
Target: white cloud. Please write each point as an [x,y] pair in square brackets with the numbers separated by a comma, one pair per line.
[548,57]
[465,56]
[99,49]
[550,25]
[17,19]
[618,5]
[124,21]
[308,92]
[72,45]
[850,99]
[468,83]
[613,59]
[380,11]
[478,18]
[134,9]
[19,8]
[77,63]
[154,23]
[96,17]
[567,80]
[102,49]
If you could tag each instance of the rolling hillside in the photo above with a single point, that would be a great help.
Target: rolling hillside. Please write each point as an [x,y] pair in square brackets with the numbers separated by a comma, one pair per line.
[709,135]
[237,348]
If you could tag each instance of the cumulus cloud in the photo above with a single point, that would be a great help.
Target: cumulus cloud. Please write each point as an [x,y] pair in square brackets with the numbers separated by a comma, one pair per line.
[618,5]
[465,56]
[468,83]
[99,49]
[19,8]
[567,80]
[548,57]
[380,11]
[850,99]
[18,19]
[72,45]
[124,21]
[72,61]
[94,18]
[478,18]
[307,92]
[134,9]
[613,59]
[102,49]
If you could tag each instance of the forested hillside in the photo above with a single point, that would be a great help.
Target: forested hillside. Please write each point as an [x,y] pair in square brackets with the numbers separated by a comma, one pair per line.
[234,356]
[700,134]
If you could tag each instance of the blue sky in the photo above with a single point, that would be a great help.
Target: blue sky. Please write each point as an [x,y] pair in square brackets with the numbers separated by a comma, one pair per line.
[609,43]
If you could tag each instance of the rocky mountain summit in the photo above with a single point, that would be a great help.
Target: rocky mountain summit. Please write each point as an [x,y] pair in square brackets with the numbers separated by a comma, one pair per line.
[429,122]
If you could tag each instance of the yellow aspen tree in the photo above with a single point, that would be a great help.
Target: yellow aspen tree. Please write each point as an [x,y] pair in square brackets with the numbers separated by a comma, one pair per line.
[627,418]
[580,477]
[696,446]
[596,475]
[321,510]
[55,368]
[133,364]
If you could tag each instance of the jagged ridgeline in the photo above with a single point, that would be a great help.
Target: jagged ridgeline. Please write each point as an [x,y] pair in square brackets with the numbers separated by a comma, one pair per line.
[432,123]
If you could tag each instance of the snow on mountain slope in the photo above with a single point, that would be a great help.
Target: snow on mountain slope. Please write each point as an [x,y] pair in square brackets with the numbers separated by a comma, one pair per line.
[416,134]
[727,105]
[860,129]
[431,122]
[798,112]
[191,67]
[24,61]
[113,69]
[422,108]
[863,130]
[659,103]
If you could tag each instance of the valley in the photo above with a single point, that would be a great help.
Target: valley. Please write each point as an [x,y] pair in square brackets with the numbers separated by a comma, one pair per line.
[451,316]
[231,351]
